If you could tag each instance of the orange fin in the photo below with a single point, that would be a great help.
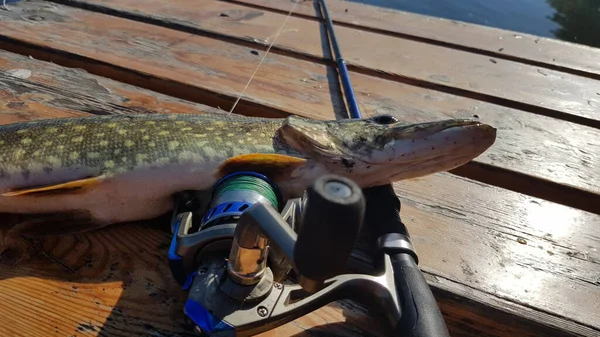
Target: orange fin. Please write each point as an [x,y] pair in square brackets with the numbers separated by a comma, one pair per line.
[268,164]
[58,223]
[68,187]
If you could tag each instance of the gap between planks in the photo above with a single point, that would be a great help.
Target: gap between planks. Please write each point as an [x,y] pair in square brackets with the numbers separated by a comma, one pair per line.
[501,309]
[275,49]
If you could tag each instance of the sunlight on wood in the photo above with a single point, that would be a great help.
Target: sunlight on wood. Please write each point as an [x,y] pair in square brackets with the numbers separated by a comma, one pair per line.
[556,220]
[38,304]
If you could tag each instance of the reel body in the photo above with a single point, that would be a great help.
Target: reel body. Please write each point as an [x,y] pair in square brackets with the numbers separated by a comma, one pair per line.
[202,229]
[237,254]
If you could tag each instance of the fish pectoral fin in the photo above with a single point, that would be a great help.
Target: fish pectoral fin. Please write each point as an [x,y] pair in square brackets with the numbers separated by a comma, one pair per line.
[58,223]
[267,164]
[66,187]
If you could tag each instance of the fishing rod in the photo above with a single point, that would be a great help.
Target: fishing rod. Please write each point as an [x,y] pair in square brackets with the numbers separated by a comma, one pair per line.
[342,69]
[419,312]
[252,261]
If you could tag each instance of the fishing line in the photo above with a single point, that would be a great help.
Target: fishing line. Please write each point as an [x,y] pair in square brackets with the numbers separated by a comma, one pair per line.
[264,56]
[248,183]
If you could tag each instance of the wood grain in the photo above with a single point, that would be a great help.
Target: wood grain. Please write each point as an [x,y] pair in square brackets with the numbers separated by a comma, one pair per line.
[116,281]
[524,48]
[31,88]
[545,243]
[206,70]
[503,82]
[105,283]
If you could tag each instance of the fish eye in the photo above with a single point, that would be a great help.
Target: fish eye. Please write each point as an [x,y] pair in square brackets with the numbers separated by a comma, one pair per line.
[384,119]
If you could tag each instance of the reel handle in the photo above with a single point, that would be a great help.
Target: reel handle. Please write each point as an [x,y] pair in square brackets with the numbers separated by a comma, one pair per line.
[331,221]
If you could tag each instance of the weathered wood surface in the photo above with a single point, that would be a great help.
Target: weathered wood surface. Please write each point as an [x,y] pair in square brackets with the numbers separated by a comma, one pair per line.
[555,160]
[116,281]
[32,89]
[525,48]
[514,84]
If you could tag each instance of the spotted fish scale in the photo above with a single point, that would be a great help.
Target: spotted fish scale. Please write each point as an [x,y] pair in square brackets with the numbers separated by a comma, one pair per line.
[114,144]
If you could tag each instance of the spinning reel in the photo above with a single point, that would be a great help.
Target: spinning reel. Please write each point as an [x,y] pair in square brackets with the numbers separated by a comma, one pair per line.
[252,263]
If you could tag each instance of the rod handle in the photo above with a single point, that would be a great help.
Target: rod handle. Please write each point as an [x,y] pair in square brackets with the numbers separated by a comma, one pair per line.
[421,316]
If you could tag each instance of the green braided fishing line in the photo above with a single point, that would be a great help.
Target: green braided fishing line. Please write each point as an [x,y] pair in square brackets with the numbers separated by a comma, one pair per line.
[249,183]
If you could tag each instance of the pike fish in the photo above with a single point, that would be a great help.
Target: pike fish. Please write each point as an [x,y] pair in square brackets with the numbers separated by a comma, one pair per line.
[83,173]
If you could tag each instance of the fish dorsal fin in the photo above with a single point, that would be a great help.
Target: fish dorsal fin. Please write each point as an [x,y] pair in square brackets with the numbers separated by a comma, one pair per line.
[74,186]
[271,165]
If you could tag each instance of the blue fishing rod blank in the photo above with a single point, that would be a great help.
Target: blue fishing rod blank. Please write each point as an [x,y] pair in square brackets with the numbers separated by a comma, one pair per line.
[420,315]
[341,65]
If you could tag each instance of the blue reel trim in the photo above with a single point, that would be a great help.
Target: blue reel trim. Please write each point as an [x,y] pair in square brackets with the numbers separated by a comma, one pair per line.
[176,261]
[188,282]
[204,319]
[230,208]
[173,247]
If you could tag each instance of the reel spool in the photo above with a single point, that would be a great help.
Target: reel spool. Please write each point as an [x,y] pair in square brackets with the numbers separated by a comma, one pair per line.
[236,192]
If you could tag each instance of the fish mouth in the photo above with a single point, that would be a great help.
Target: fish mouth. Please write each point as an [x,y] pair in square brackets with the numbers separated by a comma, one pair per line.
[431,128]
[409,171]
[430,142]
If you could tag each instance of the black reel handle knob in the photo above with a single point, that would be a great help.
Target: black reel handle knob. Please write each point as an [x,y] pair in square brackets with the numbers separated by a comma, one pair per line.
[331,221]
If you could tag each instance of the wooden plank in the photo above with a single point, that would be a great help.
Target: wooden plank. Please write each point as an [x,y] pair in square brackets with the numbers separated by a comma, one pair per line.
[496,310]
[115,281]
[509,83]
[525,48]
[478,234]
[214,72]
[30,88]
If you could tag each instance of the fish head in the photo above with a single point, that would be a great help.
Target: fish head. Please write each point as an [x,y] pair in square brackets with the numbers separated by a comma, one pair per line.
[380,149]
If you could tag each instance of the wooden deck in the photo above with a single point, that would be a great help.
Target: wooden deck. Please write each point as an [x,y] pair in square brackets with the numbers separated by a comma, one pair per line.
[510,242]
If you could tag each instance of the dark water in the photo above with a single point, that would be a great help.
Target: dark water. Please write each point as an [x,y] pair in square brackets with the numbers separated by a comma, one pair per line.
[575,21]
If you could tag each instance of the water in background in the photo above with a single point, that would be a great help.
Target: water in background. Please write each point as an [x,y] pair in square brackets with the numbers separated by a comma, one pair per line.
[575,21]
